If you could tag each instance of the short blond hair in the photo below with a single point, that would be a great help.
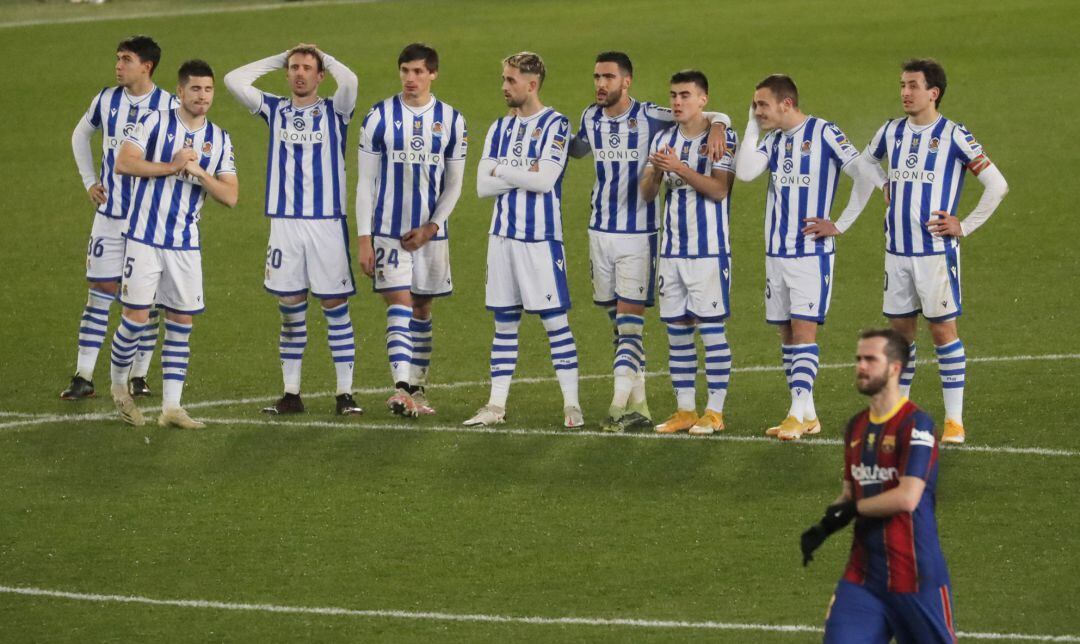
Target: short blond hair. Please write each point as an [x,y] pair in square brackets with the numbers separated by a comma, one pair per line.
[527,62]
[309,50]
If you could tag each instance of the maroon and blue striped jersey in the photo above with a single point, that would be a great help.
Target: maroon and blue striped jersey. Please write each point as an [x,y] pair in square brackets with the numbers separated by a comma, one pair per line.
[900,553]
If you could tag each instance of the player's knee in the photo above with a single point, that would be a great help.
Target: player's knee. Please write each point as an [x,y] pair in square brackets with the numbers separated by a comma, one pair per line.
[109,288]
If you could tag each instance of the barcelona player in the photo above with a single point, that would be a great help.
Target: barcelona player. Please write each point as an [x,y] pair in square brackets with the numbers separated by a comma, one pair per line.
[896,584]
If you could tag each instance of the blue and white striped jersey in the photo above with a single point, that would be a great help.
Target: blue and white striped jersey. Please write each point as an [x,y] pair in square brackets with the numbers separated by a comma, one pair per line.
[519,143]
[805,166]
[165,210]
[694,225]
[413,147]
[305,162]
[620,147]
[116,113]
[926,173]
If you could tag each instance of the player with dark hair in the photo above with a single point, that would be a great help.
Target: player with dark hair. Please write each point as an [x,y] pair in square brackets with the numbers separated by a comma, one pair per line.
[896,584]
[115,111]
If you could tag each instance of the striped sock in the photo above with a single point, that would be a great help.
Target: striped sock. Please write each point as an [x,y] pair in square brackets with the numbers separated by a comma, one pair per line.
[420,330]
[682,364]
[399,346]
[291,344]
[952,365]
[504,353]
[804,368]
[629,356]
[908,374]
[717,363]
[339,335]
[92,329]
[563,355]
[125,343]
[786,351]
[147,342]
[174,362]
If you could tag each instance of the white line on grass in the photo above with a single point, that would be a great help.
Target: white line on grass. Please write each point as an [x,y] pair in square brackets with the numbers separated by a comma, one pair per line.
[334,611]
[172,13]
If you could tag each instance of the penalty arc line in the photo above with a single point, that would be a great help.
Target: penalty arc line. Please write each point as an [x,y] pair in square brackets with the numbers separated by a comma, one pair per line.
[334,611]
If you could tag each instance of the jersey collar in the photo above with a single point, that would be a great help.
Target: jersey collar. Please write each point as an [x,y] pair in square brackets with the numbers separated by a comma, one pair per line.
[880,420]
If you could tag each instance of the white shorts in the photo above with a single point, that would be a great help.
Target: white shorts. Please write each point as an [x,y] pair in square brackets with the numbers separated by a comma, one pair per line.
[798,288]
[309,254]
[623,267]
[929,284]
[526,275]
[695,287]
[423,272]
[175,276]
[105,252]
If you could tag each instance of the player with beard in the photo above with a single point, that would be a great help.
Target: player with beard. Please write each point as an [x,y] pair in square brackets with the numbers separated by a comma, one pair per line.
[896,584]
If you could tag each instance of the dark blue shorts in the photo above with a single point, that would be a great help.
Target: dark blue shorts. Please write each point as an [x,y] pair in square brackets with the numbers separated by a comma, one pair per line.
[858,614]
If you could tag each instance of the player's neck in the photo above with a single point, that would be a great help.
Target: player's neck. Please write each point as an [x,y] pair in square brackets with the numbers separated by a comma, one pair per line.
[695,126]
[793,122]
[191,121]
[304,101]
[884,402]
[418,101]
[925,117]
[619,108]
[531,107]
[140,87]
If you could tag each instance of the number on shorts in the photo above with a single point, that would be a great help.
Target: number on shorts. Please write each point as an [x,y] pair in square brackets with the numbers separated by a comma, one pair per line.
[96,247]
[129,265]
[660,285]
[273,257]
[391,257]
[886,281]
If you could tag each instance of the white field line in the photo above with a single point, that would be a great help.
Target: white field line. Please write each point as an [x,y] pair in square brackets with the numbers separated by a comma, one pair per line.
[172,13]
[333,611]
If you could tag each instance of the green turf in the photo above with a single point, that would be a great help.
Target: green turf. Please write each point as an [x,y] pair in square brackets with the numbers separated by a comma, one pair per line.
[533,524]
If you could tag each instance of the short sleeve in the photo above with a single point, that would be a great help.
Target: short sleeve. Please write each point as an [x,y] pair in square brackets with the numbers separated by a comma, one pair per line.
[459,141]
[876,147]
[970,150]
[659,118]
[93,114]
[838,145]
[140,134]
[920,446]
[370,139]
[491,146]
[227,162]
[555,141]
[731,145]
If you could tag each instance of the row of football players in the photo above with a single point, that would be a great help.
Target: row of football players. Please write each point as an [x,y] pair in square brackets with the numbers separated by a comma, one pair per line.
[161,157]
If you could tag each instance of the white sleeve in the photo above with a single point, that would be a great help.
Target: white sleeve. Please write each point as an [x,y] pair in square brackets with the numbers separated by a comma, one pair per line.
[541,181]
[241,81]
[718,117]
[994,190]
[368,171]
[345,96]
[84,156]
[452,180]
[488,185]
[864,170]
[750,163]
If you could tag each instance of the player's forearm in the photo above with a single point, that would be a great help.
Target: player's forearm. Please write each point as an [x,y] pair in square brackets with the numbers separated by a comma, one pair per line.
[241,81]
[718,117]
[749,163]
[348,84]
[994,190]
[81,149]
[649,185]
[541,181]
[368,171]
[865,174]
[488,185]
[902,498]
[224,188]
[715,188]
[131,163]
[453,179]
